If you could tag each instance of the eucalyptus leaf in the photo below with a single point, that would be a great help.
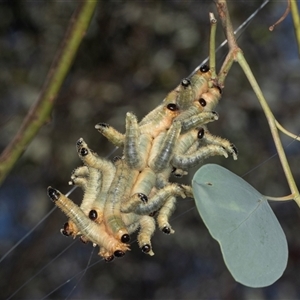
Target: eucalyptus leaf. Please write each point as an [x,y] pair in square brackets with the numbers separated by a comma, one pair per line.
[253,244]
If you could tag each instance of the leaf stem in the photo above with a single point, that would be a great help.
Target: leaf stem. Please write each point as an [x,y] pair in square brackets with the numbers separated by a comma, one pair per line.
[272,124]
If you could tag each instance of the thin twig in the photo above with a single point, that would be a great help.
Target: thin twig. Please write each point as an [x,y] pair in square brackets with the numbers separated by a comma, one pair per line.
[40,111]
[296,21]
[226,23]
[212,45]
[288,9]
[233,47]
[236,54]
[273,127]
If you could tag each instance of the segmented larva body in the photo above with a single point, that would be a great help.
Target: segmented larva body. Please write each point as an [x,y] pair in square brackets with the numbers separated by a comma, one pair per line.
[134,191]
[95,178]
[119,191]
[91,231]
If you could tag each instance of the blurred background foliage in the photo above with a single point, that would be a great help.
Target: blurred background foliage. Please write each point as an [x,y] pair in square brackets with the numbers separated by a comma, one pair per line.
[134,53]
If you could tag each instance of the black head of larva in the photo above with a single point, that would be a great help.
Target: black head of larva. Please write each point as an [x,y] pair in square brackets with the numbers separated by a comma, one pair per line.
[66,230]
[93,215]
[143,197]
[152,214]
[185,82]
[125,238]
[53,194]
[84,152]
[79,142]
[177,175]
[215,115]
[234,149]
[204,68]
[202,102]
[200,134]
[219,89]
[116,158]
[100,126]
[146,248]
[119,253]
[166,230]
[172,107]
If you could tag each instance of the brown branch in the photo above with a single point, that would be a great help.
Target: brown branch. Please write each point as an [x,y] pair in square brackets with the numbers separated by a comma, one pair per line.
[226,23]
[288,9]
[232,44]
[40,111]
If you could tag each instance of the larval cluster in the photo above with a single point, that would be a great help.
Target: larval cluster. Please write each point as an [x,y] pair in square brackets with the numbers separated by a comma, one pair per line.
[134,192]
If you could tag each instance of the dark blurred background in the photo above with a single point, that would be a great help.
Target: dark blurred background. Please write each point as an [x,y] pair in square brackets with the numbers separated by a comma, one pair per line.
[133,54]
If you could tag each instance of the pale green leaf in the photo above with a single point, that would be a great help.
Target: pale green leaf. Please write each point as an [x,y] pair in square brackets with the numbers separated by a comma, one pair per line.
[252,241]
